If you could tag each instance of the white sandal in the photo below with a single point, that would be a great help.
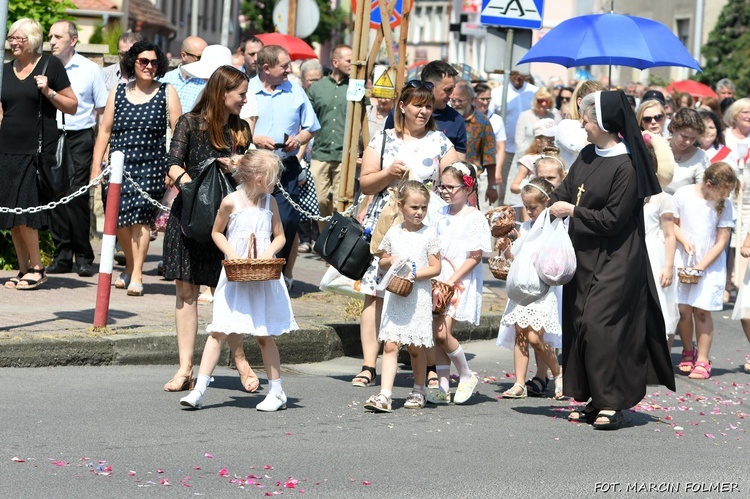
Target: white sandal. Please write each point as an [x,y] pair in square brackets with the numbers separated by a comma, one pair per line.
[510,394]
[559,387]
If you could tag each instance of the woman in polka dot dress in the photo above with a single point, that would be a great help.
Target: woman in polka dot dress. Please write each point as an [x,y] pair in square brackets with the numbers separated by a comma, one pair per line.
[135,122]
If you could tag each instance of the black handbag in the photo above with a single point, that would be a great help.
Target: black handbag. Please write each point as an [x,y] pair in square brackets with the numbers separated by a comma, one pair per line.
[342,244]
[55,173]
[201,198]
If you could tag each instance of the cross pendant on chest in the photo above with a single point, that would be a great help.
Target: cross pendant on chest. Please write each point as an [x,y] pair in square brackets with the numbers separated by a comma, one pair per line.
[581,190]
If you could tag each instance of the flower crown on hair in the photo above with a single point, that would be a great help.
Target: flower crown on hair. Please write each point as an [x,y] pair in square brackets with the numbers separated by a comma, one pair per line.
[465,170]
[526,182]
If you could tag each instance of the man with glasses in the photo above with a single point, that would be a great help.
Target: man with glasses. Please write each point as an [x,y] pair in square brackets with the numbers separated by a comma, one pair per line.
[286,122]
[480,137]
[115,74]
[70,221]
[189,86]
[328,99]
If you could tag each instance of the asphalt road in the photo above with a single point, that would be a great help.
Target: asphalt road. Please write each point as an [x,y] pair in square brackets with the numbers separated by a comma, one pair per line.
[111,432]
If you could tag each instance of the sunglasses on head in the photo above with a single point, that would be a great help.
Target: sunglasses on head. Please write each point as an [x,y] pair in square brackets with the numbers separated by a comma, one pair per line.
[657,118]
[419,83]
[146,62]
[558,87]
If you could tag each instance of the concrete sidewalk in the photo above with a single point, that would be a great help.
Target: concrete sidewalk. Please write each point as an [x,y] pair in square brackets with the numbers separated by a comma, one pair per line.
[53,325]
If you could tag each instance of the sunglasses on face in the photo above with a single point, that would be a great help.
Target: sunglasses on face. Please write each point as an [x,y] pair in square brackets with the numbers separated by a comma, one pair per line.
[558,87]
[565,99]
[542,101]
[146,62]
[419,83]
[197,57]
[658,118]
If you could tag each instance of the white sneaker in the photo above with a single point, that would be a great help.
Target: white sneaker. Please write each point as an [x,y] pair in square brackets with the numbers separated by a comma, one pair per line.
[193,399]
[273,402]
[466,389]
[438,397]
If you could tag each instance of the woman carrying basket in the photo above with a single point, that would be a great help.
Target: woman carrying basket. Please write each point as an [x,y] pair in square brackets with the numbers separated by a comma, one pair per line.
[260,308]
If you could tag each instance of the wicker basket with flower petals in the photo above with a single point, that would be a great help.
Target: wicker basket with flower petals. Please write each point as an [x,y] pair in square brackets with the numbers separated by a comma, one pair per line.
[502,220]
[252,268]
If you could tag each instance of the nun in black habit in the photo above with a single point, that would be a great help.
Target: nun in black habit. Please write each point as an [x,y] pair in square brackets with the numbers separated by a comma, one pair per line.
[614,341]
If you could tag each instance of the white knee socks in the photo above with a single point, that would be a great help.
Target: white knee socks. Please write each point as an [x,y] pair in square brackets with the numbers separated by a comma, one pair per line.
[444,375]
[458,357]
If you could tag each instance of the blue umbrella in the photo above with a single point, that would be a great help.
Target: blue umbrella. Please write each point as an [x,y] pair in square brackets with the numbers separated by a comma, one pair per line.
[611,39]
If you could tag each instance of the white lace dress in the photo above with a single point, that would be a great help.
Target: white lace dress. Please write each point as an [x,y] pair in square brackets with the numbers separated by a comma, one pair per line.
[544,313]
[407,320]
[258,308]
[700,222]
[459,235]
[657,206]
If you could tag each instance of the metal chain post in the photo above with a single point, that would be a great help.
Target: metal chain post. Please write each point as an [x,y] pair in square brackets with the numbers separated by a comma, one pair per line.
[309,215]
[54,204]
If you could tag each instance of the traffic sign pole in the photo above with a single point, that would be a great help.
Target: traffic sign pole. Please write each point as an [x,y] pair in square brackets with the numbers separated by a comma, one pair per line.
[506,76]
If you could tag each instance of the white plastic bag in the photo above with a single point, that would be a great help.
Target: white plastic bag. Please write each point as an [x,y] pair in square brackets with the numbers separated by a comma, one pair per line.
[523,283]
[334,282]
[556,261]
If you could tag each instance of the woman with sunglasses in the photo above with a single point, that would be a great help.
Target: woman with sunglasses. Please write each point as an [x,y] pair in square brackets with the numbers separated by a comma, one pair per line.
[135,122]
[686,129]
[26,94]
[414,150]
[541,108]
[651,116]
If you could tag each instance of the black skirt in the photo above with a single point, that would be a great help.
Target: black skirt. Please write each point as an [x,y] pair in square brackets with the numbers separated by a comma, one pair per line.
[186,259]
[19,190]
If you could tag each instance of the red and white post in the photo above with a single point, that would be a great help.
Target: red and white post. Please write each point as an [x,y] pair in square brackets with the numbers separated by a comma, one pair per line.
[104,286]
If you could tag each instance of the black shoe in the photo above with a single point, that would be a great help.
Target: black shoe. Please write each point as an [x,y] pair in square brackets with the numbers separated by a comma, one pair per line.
[58,267]
[86,270]
[120,257]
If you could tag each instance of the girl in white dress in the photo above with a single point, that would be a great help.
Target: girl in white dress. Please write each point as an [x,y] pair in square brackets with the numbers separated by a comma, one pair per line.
[258,308]
[464,238]
[703,221]
[408,320]
[741,310]
[538,323]
[658,213]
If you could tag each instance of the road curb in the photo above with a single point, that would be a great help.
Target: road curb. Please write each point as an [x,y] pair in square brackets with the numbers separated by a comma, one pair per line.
[310,344]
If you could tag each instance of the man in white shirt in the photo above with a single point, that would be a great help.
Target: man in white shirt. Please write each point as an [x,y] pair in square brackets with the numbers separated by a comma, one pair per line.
[69,223]
[520,95]
[113,74]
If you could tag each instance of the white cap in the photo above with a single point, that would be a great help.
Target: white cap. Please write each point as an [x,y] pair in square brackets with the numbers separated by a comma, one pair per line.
[212,58]
[546,127]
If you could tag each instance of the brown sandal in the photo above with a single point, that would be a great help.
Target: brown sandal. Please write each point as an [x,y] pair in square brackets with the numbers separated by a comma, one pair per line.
[180,383]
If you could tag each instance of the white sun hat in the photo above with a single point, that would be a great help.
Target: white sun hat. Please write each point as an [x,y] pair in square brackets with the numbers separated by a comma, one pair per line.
[212,58]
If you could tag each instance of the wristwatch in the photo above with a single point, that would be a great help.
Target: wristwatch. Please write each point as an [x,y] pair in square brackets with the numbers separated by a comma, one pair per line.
[492,187]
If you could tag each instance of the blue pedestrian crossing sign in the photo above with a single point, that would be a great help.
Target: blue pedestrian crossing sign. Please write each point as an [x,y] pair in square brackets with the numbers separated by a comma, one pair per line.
[512,13]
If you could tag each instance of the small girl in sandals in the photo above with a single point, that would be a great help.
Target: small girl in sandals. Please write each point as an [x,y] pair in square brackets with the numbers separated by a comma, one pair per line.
[538,323]
[703,222]
[407,320]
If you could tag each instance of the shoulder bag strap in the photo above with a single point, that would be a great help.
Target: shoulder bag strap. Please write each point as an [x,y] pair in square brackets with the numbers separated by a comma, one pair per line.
[40,143]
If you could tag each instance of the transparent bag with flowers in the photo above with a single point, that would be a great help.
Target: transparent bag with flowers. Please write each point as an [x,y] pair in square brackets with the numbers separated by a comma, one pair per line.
[556,261]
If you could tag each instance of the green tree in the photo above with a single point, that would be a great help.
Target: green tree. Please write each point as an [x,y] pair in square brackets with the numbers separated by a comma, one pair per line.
[332,25]
[44,11]
[727,50]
